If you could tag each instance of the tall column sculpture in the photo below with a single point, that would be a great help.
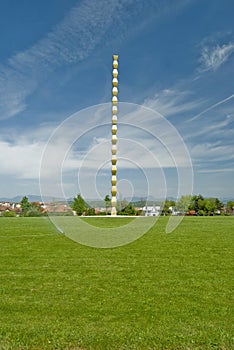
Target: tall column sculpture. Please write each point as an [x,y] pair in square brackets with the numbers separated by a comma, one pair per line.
[114,136]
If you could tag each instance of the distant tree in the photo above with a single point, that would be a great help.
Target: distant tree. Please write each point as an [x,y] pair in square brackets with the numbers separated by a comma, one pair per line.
[121,205]
[107,201]
[184,204]
[36,209]
[79,205]
[219,204]
[128,210]
[210,206]
[166,209]
[30,209]
[25,206]
[230,207]
[213,206]
[197,203]
[90,212]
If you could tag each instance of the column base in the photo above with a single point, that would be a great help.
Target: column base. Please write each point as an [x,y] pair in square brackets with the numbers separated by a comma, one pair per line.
[113,211]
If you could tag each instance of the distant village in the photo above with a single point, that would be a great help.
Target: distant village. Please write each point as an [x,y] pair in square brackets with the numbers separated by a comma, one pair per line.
[35,209]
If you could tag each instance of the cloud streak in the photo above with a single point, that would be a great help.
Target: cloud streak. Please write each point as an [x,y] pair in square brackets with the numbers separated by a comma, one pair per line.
[212,129]
[212,58]
[171,102]
[211,107]
[71,41]
[219,170]
[212,152]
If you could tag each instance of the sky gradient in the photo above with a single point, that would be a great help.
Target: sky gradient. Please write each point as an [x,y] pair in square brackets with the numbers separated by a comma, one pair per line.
[175,58]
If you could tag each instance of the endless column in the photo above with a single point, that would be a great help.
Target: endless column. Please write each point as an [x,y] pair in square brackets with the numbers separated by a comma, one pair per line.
[114,135]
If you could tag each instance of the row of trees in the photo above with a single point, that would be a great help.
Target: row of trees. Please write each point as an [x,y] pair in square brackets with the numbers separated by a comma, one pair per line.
[82,208]
[198,205]
[192,205]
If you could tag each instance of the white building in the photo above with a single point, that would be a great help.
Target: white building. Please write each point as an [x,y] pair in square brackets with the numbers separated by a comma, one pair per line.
[150,210]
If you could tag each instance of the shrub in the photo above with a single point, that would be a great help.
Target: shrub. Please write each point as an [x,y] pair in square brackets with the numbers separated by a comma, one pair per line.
[9,214]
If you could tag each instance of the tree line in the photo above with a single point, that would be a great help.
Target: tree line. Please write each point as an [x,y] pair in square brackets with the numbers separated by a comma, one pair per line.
[185,205]
[82,208]
[198,205]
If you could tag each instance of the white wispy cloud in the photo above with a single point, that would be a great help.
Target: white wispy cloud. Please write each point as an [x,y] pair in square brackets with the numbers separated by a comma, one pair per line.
[213,106]
[213,57]
[217,170]
[170,102]
[211,127]
[71,41]
[212,152]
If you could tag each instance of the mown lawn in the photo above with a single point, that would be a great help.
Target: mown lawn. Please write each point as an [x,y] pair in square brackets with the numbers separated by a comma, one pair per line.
[163,291]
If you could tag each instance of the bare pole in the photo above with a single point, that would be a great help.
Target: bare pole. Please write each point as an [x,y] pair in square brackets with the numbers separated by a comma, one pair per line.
[114,136]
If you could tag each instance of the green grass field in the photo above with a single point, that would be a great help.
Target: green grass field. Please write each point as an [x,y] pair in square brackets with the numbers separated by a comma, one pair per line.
[163,291]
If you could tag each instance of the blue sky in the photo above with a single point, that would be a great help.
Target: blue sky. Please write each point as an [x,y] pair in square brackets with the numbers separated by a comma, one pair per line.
[175,57]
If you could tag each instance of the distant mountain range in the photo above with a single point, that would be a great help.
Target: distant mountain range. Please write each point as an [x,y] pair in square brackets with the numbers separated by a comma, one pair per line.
[95,202]
[31,198]
[36,198]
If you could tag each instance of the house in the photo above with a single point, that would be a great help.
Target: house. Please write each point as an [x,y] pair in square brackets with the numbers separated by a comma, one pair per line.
[152,210]
[58,208]
[191,213]
[175,212]
[7,206]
